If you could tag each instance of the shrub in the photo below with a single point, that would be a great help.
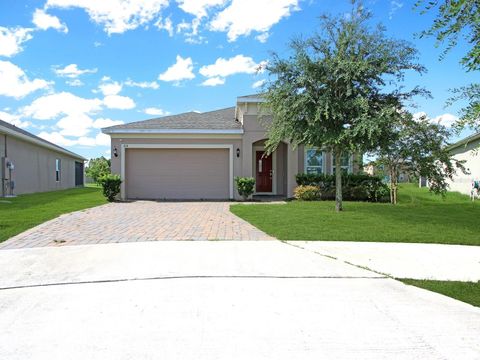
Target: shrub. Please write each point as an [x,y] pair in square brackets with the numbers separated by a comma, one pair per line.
[245,186]
[110,185]
[307,192]
[356,187]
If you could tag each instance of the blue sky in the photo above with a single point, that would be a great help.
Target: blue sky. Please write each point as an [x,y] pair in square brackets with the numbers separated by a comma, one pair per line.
[71,67]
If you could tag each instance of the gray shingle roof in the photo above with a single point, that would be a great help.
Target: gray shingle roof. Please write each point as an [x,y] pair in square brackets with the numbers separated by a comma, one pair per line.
[223,119]
[38,139]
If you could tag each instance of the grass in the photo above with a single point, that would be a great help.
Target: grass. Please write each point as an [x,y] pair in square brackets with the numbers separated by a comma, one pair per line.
[419,217]
[468,292]
[26,211]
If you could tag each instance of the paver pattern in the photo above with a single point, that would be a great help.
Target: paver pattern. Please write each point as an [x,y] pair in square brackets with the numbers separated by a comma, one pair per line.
[139,221]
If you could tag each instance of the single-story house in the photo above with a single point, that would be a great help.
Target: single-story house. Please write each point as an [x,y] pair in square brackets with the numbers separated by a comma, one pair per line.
[198,155]
[467,149]
[31,164]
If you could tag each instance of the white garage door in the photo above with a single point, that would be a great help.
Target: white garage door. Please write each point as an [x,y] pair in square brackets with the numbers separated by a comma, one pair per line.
[177,173]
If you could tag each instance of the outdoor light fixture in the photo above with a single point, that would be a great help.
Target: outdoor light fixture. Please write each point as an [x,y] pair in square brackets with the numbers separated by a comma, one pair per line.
[238,152]
[115,152]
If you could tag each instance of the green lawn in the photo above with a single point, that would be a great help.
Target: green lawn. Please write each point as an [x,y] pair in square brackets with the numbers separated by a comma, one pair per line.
[468,292]
[419,217]
[25,211]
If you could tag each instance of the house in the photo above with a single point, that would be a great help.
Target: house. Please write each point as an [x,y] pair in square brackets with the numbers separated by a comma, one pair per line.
[405,175]
[198,155]
[467,149]
[31,164]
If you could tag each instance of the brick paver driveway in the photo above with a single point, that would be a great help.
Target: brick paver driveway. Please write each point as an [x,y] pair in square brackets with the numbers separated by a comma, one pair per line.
[140,221]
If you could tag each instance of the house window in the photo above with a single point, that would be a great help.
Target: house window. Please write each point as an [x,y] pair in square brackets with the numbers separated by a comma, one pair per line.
[345,163]
[57,169]
[314,161]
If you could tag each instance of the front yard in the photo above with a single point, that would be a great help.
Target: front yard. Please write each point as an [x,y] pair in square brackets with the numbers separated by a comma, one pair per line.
[26,211]
[468,292]
[419,217]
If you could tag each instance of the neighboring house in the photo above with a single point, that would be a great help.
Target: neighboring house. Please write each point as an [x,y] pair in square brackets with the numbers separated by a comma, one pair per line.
[198,155]
[31,164]
[467,149]
[405,175]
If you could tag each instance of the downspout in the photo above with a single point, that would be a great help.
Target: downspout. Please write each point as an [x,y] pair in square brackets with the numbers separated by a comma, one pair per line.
[5,151]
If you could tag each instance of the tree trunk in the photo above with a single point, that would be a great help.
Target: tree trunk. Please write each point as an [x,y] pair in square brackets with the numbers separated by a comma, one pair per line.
[393,186]
[338,181]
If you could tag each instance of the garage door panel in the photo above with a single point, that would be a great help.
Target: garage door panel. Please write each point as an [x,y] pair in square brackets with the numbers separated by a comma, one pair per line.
[177,173]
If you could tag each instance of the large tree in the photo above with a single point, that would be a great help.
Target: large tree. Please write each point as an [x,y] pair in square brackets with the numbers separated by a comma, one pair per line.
[97,168]
[458,19]
[417,146]
[339,88]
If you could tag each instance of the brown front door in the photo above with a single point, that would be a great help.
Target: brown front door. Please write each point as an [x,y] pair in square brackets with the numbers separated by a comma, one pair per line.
[263,170]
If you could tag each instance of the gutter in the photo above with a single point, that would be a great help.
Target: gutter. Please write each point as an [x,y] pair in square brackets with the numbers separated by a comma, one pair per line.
[38,142]
[464,141]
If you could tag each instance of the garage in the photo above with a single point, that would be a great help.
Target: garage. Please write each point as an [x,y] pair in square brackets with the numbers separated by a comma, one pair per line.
[177,173]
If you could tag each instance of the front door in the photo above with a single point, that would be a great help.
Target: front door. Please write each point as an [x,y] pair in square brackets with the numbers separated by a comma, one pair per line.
[264,172]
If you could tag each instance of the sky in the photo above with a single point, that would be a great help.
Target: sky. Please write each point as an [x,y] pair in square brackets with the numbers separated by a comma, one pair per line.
[71,67]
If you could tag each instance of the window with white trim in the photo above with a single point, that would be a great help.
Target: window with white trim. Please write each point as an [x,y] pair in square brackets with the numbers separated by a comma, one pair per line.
[58,167]
[314,161]
[345,163]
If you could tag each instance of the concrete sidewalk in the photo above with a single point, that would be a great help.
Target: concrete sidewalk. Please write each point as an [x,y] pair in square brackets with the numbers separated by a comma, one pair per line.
[218,300]
[401,260]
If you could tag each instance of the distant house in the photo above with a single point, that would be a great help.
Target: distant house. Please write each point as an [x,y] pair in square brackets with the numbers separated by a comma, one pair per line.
[31,164]
[198,155]
[404,176]
[467,149]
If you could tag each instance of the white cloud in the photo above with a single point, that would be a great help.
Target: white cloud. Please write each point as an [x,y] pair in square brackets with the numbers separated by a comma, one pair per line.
[198,8]
[72,71]
[395,5]
[214,81]
[181,70]
[116,16]
[64,103]
[143,84]
[15,83]
[263,37]
[118,102]
[14,120]
[446,119]
[166,25]
[57,138]
[11,40]
[258,84]
[155,111]
[242,17]
[112,88]
[75,125]
[235,65]
[44,21]
[101,123]
[75,82]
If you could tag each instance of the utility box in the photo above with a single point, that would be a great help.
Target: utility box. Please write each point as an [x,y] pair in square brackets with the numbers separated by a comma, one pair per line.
[7,174]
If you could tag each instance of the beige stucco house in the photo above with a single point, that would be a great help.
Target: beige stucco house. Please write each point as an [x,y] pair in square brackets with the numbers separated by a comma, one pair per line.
[198,155]
[467,149]
[31,164]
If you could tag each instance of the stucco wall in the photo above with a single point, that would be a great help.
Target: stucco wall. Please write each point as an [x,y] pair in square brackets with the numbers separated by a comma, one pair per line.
[471,154]
[35,167]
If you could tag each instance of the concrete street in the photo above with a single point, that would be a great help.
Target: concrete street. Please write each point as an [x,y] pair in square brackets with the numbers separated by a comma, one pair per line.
[218,300]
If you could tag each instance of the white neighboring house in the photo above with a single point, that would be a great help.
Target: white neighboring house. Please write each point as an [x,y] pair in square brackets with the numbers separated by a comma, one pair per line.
[467,149]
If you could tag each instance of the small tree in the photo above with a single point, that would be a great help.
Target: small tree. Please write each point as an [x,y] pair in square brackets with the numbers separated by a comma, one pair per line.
[97,168]
[331,93]
[420,147]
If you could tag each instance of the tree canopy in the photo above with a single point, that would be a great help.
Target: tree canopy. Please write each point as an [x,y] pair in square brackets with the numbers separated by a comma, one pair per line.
[97,168]
[340,87]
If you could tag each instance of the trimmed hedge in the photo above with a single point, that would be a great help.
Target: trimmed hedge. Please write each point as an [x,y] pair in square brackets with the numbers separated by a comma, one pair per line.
[307,193]
[354,187]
